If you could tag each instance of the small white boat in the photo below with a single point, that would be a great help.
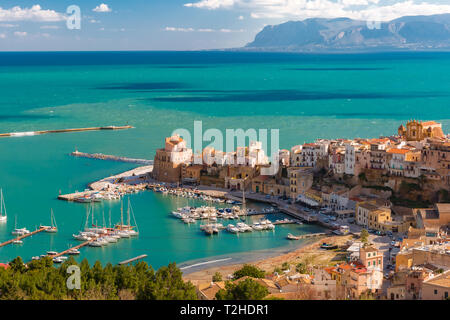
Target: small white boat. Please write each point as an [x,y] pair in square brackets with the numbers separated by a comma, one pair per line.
[58,260]
[52,253]
[231,228]
[17,242]
[81,237]
[73,252]
[35,258]
[95,244]
[257,226]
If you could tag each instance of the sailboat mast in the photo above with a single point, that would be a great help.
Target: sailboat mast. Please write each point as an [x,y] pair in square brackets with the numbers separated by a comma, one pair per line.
[121,213]
[128,213]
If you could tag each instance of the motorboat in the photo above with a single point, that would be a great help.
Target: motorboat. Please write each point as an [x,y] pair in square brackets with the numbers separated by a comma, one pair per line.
[58,260]
[73,252]
[257,226]
[231,228]
[17,242]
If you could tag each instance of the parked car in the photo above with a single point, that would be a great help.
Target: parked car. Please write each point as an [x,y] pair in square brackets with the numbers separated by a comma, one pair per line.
[393,243]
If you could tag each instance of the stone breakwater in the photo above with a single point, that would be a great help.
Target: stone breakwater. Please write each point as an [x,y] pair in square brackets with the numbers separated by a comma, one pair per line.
[101,156]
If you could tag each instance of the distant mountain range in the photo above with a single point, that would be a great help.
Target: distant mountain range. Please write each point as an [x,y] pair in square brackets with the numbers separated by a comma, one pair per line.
[347,35]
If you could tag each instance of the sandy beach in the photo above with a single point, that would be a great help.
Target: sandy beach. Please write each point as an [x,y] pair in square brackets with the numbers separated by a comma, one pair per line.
[312,252]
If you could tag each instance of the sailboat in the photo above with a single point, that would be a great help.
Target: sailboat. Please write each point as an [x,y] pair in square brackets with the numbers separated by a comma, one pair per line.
[126,231]
[19,231]
[3,216]
[53,228]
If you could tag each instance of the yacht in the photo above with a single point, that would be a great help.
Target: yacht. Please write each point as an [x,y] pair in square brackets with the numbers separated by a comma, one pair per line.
[82,236]
[52,228]
[231,228]
[20,232]
[58,260]
[73,252]
[257,226]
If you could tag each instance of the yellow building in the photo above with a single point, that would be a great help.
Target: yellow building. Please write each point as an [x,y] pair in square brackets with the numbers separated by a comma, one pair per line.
[418,130]
[371,215]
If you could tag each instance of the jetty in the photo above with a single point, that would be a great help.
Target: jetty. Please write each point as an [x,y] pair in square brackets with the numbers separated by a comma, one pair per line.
[101,156]
[306,236]
[35,133]
[23,236]
[72,248]
[133,259]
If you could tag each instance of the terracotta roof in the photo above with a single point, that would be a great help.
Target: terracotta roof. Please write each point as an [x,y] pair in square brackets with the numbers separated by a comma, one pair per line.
[441,280]
[398,151]
[4,265]
[429,123]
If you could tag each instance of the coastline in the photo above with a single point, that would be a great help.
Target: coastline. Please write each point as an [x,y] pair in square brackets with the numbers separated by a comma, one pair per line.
[205,272]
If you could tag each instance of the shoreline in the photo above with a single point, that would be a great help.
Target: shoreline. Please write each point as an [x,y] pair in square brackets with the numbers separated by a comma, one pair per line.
[204,273]
[240,258]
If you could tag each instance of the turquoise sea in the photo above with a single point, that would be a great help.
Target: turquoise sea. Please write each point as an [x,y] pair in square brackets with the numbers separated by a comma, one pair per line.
[304,96]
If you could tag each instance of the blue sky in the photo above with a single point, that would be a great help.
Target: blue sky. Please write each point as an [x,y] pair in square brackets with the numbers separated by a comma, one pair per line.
[176,24]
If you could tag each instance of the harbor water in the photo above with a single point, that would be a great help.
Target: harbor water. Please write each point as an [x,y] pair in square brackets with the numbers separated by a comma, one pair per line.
[305,96]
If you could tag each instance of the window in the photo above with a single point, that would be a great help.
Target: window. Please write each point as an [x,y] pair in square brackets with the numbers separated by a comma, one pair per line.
[435,291]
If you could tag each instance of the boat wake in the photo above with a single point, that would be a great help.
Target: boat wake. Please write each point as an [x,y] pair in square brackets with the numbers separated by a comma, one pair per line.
[203,263]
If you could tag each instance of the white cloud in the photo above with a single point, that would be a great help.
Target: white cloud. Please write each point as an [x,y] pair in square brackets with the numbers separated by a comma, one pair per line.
[20,34]
[303,9]
[212,4]
[179,29]
[102,8]
[94,21]
[49,27]
[241,18]
[8,25]
[2,36]
[35,13]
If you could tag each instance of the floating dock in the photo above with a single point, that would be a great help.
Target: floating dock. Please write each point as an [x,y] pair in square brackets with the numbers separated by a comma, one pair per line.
[35,133]
[73,248]
[23,236]
[133,259]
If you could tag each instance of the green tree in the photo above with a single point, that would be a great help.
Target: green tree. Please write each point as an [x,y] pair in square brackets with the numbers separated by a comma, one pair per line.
[250,271]
[302,268]
[217,277]
[247,289]
[364,236]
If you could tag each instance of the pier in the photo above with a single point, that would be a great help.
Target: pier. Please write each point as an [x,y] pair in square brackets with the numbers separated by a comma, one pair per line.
[73,248]
[35,133]
[307,236]
[133,259]
[23,236]
[100,156]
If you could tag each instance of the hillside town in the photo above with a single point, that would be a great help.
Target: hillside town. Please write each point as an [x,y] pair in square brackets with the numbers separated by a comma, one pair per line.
[390,194]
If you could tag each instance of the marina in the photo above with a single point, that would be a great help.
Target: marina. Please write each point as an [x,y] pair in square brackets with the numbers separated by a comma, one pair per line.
[23,236]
